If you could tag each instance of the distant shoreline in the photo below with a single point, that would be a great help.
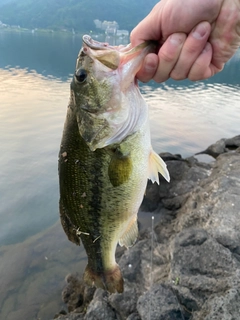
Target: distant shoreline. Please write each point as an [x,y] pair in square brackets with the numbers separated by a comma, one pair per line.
[50,31]
[38,30]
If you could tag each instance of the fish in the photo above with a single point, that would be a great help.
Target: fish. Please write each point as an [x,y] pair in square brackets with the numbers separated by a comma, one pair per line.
[106,157]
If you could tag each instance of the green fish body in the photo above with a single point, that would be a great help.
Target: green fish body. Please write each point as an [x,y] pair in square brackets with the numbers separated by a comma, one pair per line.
[105,157]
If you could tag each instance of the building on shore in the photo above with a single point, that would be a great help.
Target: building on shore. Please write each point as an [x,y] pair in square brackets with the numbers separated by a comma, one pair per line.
[109,27]
[122,33]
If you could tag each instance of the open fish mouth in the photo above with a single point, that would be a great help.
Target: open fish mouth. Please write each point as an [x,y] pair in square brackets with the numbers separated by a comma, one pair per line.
[126,49]
[95,45]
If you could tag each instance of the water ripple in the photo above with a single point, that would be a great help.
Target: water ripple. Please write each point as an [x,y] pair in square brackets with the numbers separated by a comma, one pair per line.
[187,119]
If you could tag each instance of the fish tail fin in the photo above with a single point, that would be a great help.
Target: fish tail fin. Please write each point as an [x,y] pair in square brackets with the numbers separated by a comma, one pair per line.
[110,280]
[156,164]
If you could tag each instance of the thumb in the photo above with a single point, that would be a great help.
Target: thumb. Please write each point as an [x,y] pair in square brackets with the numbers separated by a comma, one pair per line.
[148,29]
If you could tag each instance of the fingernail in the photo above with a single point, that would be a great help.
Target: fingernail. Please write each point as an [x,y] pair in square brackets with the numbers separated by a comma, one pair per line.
[207,47]
[149,64]
[200,30]
[176,39]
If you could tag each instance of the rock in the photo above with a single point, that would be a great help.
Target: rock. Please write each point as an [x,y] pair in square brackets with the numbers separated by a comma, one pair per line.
[99,308]
[233,143]
[134,316]
[159,303]
[224,307]
[222,146]
[167,156]
[71,316]
[215,149]
[125,303]
[188,265]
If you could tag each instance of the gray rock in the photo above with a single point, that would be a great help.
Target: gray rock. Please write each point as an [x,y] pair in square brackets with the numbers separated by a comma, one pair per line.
[159,303]
[99,308]
[215,149]
[124,304]
[224,307]
[167,156]
[70,316]
[233,142]
[134,316]
[188,267]
[222,146]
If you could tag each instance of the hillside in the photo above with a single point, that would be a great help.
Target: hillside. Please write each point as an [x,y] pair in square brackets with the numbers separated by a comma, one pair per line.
[68,14]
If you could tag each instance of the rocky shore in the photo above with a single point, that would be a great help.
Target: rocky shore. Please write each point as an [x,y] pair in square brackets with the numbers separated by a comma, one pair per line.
[188,266]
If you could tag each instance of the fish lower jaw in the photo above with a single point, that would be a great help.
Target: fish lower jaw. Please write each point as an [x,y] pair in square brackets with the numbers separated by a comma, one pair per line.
[110,280]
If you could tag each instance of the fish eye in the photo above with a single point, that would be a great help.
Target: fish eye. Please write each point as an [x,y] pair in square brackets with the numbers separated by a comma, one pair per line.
[81,75]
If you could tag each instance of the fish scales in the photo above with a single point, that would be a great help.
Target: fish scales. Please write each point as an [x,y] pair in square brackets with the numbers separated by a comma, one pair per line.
[102,184]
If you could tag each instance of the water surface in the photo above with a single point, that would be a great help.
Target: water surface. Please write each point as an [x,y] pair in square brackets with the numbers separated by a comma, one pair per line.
[35,74]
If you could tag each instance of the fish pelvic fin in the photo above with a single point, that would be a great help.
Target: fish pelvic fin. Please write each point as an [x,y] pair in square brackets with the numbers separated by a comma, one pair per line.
[130,235]
[110,280]
[156,164]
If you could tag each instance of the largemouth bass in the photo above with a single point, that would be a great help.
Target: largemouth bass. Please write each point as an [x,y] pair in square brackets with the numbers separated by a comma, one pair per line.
[105,157]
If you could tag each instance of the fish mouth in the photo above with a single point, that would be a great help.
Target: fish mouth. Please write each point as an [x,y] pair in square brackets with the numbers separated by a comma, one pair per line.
[112,56]
[95,45]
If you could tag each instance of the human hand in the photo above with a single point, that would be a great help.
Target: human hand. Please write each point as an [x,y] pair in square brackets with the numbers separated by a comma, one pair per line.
[196,39]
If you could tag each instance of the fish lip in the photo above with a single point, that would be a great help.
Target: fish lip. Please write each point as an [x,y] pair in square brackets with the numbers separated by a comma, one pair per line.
[124,49]
[93,44]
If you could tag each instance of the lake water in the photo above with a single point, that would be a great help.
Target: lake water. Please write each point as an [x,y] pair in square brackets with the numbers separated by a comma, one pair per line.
[35,74]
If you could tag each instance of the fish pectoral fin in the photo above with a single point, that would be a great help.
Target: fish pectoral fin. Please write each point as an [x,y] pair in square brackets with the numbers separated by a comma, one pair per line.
[119,169]
[130,235]
[156,164]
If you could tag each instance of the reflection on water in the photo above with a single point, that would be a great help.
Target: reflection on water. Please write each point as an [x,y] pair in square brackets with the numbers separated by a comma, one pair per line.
[34,88]
[32,116]
[186,120]
[48,54]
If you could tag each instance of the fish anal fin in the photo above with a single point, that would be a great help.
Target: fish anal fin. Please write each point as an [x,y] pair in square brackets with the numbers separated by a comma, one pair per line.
[130,235]
[157,165]
[110,280]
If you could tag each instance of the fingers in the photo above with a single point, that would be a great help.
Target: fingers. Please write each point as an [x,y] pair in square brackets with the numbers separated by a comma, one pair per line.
[202,68]
[149,68]
[159,68]
[168,56]
[180,57]
[191,50]
[225,35]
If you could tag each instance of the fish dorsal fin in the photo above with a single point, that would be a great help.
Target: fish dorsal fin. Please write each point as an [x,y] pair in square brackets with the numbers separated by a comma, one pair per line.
[156,164]
[130,235]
